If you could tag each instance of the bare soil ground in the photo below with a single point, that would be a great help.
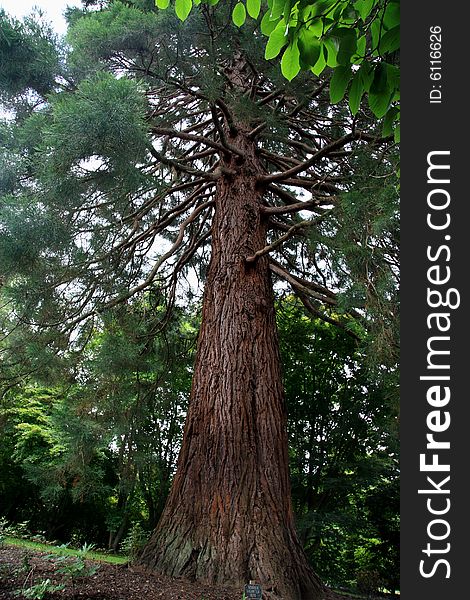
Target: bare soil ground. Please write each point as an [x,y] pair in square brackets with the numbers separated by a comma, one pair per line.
[21,568]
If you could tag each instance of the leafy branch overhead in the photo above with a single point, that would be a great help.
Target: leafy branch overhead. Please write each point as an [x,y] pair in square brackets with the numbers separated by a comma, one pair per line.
[358,40]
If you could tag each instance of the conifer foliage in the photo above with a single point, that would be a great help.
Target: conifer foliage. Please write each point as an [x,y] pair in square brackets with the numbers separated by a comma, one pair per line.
[154,129]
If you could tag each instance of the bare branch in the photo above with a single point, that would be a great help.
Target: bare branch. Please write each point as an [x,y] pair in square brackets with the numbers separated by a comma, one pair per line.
[321,315]
[269,97]
[310,183]
[307,205]
[176,164]
[283,194]
[280,225]
[195,138]
[300,285]
[254,132]
[279,241]
[228,147]
[310,162]
[150,277]
[228,117]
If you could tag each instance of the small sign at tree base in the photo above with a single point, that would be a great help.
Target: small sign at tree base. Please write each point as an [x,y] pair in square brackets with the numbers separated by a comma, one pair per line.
[253,590]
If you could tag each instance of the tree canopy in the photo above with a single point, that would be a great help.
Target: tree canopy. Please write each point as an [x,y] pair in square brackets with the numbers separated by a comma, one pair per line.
[149,156]
[128,143]
[359,40]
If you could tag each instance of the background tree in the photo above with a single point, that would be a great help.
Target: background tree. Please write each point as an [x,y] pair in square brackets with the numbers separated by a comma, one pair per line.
[105,479]
[140,384]
[154,128]
[343,448]
[84,460]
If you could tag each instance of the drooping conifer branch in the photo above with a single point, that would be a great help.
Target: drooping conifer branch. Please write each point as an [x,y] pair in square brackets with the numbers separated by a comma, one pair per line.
[298,206]
[289,233]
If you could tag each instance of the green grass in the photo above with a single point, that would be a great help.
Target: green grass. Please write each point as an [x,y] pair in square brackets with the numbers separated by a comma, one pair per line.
[356,595]
[99,556]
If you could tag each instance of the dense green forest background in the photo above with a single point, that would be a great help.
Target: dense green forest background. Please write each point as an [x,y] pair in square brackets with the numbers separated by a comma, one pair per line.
[91,417]
[88,447]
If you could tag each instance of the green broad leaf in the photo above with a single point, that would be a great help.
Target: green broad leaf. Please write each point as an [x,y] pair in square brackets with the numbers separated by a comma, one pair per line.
[239,14]
[360,53]
[277,40]
[307,12]
[293,19]
[267,25]
[379,103]
[287,9]
[338,11]
[356,92]
[339,83]
[183,8]
[396,134]
[375,32]
[253,8]
[320,65]
[317,27]
[391,17]
[364,8]
[390,41]
[324,7]
[327,24]
[162,4]
[331,51]
[290,63]
[347,47]
[389,119]
[309,47]
[380,83]
[277,9]
[367,75]
[393,77]
[348,16]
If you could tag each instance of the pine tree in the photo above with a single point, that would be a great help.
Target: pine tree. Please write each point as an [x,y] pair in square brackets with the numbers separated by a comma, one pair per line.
[153,129]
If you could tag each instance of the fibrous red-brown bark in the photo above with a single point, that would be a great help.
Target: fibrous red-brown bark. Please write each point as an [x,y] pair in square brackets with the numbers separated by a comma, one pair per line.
[228,518]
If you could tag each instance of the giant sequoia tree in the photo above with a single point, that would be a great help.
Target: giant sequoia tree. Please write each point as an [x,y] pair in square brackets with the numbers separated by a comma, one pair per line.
[144,128]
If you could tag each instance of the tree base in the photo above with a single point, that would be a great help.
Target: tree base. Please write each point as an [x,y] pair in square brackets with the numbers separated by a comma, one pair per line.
[280,568]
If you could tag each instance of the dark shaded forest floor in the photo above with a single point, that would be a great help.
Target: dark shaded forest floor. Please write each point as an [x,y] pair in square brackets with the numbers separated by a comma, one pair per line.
[21,569]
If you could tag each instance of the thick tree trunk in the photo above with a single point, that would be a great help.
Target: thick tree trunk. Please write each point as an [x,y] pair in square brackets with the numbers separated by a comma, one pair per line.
[228,518]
